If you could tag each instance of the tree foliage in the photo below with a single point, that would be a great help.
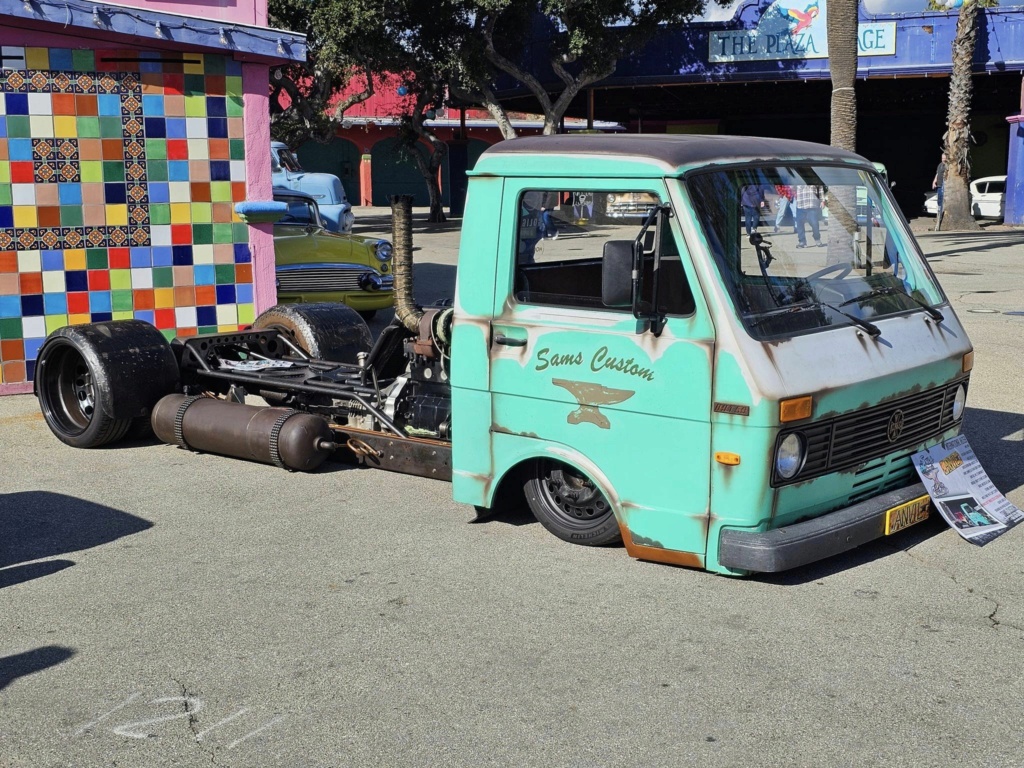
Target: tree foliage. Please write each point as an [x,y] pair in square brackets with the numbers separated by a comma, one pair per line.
[457,49]
[578,42]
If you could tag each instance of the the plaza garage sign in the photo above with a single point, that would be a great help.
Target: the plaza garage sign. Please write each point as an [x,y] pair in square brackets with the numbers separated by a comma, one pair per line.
[795,29]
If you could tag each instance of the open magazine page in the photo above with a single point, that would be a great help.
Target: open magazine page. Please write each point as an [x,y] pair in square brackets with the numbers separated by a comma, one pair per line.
[963,492]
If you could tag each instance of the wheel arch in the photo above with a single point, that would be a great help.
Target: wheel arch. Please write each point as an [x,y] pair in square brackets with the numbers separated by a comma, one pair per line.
[529,451]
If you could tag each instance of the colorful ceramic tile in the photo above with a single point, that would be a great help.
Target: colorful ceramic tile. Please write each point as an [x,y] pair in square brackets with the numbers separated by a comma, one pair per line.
[117,184]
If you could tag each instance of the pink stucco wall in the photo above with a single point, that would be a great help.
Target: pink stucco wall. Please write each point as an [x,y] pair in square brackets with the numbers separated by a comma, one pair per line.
[259,185]
[238,11]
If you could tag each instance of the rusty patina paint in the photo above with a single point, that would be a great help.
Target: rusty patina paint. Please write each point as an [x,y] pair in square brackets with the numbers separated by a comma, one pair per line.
[653,552]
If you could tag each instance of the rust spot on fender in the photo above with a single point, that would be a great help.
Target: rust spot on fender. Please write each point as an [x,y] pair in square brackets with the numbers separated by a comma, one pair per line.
[505,431]
[659,555]
[643,548]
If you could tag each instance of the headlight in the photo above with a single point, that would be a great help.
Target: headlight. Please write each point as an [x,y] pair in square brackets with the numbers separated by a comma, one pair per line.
[959,401]
[383,250]
[789,457]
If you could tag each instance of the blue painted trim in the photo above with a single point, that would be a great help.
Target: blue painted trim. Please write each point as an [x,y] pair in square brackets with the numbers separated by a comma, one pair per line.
[1013,212]
[260,211]
[276,45]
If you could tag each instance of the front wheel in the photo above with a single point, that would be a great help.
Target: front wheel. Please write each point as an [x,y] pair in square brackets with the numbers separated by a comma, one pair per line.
[570,506]
[323,331]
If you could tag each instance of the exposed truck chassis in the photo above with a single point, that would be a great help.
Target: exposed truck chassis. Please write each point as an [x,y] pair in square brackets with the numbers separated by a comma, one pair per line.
[371,416]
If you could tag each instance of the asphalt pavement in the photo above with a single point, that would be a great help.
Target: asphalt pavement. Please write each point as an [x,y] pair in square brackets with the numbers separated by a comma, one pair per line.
[161,608]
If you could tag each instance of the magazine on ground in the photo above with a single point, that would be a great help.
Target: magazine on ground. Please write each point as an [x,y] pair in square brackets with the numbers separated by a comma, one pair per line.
[963,493]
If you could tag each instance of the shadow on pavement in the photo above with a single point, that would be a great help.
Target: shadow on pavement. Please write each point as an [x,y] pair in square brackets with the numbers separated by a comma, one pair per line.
[997,438]
[959,243]
[39,524]
[30,662]
[874,550]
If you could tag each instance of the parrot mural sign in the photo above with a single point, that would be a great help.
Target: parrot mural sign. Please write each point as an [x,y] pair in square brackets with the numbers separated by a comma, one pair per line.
[795,29]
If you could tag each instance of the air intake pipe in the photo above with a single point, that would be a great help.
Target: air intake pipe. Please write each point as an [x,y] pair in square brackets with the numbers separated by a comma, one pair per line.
[406,310]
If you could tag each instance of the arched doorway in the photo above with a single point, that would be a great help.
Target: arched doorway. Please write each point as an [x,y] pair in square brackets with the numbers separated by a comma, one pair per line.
[340,157]
[395,173]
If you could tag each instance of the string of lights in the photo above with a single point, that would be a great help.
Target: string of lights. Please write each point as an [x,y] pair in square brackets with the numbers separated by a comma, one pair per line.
[159,25]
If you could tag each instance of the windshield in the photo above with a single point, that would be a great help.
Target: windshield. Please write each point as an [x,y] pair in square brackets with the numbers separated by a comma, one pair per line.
[289,160]
[806,247]
[301,212]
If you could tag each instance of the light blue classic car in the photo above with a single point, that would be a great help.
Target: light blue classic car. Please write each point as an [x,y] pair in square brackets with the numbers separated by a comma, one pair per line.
[325,188]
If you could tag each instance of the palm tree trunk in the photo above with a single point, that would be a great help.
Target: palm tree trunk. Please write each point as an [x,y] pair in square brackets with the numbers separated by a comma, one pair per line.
[956,207]
[842,64]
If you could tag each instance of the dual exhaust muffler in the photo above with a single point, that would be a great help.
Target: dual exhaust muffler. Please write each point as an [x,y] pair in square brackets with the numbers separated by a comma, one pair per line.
[280,436]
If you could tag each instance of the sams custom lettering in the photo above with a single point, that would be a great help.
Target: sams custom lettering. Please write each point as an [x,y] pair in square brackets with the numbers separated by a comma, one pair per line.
[600,361]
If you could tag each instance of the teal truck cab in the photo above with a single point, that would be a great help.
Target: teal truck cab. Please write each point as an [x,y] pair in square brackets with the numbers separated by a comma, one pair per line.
[711,395]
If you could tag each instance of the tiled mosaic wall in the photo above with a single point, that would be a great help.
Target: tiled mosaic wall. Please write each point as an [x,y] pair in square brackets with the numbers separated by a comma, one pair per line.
[119,171]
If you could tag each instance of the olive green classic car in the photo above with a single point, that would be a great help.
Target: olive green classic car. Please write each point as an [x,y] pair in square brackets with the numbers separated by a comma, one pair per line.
[314,264]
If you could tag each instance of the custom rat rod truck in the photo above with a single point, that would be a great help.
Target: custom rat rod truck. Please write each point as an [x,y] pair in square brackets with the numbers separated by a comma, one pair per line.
[738,401]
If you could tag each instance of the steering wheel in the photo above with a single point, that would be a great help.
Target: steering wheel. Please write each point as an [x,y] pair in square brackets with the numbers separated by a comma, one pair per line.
[844,268]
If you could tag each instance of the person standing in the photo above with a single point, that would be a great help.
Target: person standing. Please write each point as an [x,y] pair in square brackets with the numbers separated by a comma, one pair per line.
[752,201]
[548,228]
[940,176]
[807,202]
[782,202]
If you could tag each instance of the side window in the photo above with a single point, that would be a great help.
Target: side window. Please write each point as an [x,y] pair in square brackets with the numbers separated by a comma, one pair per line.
[561,237]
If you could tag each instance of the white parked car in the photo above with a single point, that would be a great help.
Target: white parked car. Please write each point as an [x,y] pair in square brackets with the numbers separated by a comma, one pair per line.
[988,197]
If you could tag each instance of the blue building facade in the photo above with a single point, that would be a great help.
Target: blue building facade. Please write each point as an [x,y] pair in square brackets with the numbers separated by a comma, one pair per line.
[762,68]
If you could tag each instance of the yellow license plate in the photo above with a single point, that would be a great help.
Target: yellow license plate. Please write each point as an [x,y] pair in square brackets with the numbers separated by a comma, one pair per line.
[906,515]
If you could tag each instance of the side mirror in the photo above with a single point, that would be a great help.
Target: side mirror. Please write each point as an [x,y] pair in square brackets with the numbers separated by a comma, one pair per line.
[617,273]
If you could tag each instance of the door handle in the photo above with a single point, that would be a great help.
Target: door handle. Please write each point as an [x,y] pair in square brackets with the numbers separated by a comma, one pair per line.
[508,341]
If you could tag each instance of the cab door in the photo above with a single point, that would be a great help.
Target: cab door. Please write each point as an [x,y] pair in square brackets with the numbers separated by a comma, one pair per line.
[590,386]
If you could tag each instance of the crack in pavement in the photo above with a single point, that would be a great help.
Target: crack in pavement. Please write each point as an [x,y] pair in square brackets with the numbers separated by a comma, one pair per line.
[994,623]
[193,721]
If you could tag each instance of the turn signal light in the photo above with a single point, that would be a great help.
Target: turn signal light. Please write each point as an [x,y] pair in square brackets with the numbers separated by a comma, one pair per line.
[795,408]
[724,457]
[968,362]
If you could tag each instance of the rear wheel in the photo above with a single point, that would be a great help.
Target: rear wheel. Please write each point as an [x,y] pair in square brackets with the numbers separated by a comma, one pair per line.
[98,382]
[324,331]
[73,396]
[569,505]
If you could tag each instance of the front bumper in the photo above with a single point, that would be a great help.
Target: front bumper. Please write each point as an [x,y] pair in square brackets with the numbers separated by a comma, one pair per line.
[795,545]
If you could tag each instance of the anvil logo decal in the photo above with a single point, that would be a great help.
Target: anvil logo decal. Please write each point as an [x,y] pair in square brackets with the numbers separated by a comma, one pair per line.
[590,396]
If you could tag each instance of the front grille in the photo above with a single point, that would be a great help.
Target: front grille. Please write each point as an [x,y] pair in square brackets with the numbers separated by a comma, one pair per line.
[862,436]
[324,279]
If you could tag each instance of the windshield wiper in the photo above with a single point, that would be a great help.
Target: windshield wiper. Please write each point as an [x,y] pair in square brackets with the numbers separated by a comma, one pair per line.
[933,313]
[872,329]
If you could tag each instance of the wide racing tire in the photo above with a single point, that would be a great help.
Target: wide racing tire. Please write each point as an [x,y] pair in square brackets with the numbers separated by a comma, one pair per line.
[324,331]
[569,505]
[96,381]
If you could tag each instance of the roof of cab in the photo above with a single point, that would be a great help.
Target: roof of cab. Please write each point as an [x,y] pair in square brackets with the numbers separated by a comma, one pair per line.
[674,151]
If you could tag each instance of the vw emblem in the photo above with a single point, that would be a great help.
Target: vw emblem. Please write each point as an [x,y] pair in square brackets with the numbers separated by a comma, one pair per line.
[895,428]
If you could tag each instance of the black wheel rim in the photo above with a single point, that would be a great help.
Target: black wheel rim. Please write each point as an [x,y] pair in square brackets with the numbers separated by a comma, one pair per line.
[572,497]
[288,333]
[68,393]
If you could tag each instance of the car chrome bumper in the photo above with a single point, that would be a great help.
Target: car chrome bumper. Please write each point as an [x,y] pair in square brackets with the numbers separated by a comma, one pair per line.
[830,534]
